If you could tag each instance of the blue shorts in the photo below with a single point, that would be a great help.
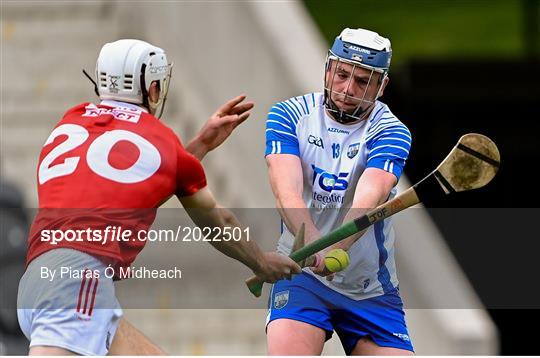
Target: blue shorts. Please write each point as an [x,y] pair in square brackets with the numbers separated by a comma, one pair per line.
[306,299]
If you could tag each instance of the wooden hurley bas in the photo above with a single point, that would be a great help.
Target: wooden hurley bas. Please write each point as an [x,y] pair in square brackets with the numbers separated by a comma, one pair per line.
[471,164]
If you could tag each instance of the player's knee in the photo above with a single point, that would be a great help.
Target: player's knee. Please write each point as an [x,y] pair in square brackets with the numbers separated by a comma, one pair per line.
[290,337]
[49,351]
[128,340]
[366,346]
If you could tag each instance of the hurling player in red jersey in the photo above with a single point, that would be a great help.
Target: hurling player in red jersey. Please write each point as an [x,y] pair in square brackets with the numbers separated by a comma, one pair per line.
[111,165]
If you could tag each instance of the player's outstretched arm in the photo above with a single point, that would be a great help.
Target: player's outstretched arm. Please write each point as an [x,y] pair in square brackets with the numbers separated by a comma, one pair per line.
[269,266]
[220,126]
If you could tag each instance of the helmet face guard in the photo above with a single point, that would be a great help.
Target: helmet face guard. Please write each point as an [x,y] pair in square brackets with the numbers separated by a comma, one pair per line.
[163,74]
[340,76]
[356,67]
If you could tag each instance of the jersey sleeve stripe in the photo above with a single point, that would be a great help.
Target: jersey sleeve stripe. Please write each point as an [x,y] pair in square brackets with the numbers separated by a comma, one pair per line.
[382,123]
[305,103]
[296,106]
[383,126]
[386,153]
[271,114]
[281,132]
[395,138]
[402,131]
[285,114]
[304,108]
[276,107]
[406,150]
[292,109]
[289,113]
[279,123]
[281,147]
[377,113]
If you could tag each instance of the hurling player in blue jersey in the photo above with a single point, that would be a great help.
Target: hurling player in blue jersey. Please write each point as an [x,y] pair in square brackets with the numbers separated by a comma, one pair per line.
[331,156]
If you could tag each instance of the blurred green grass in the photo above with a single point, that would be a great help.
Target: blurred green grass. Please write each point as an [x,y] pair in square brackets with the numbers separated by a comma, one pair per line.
[421,29]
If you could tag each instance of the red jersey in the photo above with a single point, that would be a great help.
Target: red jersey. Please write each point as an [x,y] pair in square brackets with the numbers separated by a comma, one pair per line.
[109,165]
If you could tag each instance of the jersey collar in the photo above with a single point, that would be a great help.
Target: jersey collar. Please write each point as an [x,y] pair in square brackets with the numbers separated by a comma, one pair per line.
[111,103]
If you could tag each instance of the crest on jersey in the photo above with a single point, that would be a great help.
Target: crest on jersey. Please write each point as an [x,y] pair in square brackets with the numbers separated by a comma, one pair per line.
[281,299]
[353,150]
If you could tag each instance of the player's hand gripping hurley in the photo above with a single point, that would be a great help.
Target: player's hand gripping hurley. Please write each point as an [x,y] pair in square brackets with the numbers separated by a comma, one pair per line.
[471,164]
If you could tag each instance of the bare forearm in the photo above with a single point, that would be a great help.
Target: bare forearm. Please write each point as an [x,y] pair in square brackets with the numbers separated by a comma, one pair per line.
[205,212]
[370,199]
[244,250]
[197,148]
[294,212]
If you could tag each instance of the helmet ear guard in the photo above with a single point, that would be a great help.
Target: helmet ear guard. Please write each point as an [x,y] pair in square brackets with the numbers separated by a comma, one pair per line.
[381,85]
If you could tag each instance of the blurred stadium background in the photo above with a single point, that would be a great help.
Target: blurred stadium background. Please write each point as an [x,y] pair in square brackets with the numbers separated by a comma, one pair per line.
[458,66]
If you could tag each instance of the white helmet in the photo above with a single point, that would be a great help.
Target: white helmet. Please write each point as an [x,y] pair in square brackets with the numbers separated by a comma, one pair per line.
[359,48]
[126,68]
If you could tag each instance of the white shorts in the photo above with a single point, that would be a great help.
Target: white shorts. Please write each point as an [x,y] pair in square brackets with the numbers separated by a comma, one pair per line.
[76,309]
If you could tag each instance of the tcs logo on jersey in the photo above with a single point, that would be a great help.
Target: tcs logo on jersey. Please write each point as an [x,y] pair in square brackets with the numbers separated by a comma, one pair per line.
[328,181]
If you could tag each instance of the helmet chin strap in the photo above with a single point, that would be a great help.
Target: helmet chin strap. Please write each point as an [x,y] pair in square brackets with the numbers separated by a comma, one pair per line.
[343,117]
[156,108]
[339,115]
[152,106]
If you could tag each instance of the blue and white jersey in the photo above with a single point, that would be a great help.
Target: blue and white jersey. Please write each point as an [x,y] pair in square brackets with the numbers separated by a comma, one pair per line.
[333,158]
